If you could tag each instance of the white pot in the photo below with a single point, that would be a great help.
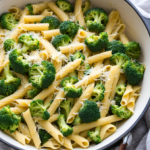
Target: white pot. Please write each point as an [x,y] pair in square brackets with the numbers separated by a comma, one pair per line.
[136,30]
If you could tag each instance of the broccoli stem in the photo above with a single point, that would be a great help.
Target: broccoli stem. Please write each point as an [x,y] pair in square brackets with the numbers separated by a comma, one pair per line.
[24,49]
[97,19]
[8,74]
[97,130]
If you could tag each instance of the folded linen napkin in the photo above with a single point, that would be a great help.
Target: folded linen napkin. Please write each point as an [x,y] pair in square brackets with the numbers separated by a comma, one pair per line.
[143,6]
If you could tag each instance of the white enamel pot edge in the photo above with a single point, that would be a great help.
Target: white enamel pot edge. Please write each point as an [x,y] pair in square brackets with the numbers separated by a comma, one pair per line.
[135,30]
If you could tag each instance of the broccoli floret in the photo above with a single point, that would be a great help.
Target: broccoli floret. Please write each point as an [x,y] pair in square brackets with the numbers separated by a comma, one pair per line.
[133,50]
[8,119]
[97,43]
[77,121]
[121,111]
[116,47]
[95,135]
[8,83]
[61,40]
[68,27]
[86,6]
[77,55]
[134,72]
[64,5]
[87,69]
[119,59]
[118,99]
[8,21]
[89,112]
[69,88]
[96,19]
[120,89]
[53,22]
[9,44]
[98,93]
[38,109]
[30,8]
[28,43]
[74,73]
[42,76]
[33,92]
[44,136]
[18,63]
[64,128]
[66,106]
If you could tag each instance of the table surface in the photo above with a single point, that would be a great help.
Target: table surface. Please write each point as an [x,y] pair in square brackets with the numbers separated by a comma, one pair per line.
[3,146]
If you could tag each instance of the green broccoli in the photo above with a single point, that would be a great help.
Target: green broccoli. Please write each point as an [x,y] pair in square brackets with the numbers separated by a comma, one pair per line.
[8,21]
[77,121]
[96,19]
[9,120]
[30,8]
[116,47]
[64,5]
[120,89]
[133,50]
[28,43]
[89,112]
[38,109]
[95,135]
[65,106]
[18,63]
[86,6]
[74,73]
[134,72]
[53,22]
[42,76]
[87,69]
[70,28]
[44,136]
[9,44]
[98,93]
[118,99]
[61,40]
[121,111]
[119,59]
[64,128]
[8,83]
[33,92]
[69,88]
[97,43]
[77,55]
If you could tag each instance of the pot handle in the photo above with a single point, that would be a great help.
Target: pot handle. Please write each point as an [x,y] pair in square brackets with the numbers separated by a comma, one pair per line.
[123,146]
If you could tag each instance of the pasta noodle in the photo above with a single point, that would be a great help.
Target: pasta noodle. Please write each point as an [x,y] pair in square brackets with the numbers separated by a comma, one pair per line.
[61,14]
[52,143]
[23,139]
[107,130]
[125,98]
[84,143]
[72,48]
[86,94]
[100,122]
[34,27]
[78,12]
[108,87]
[51,33]
[32,128]
[57,135]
